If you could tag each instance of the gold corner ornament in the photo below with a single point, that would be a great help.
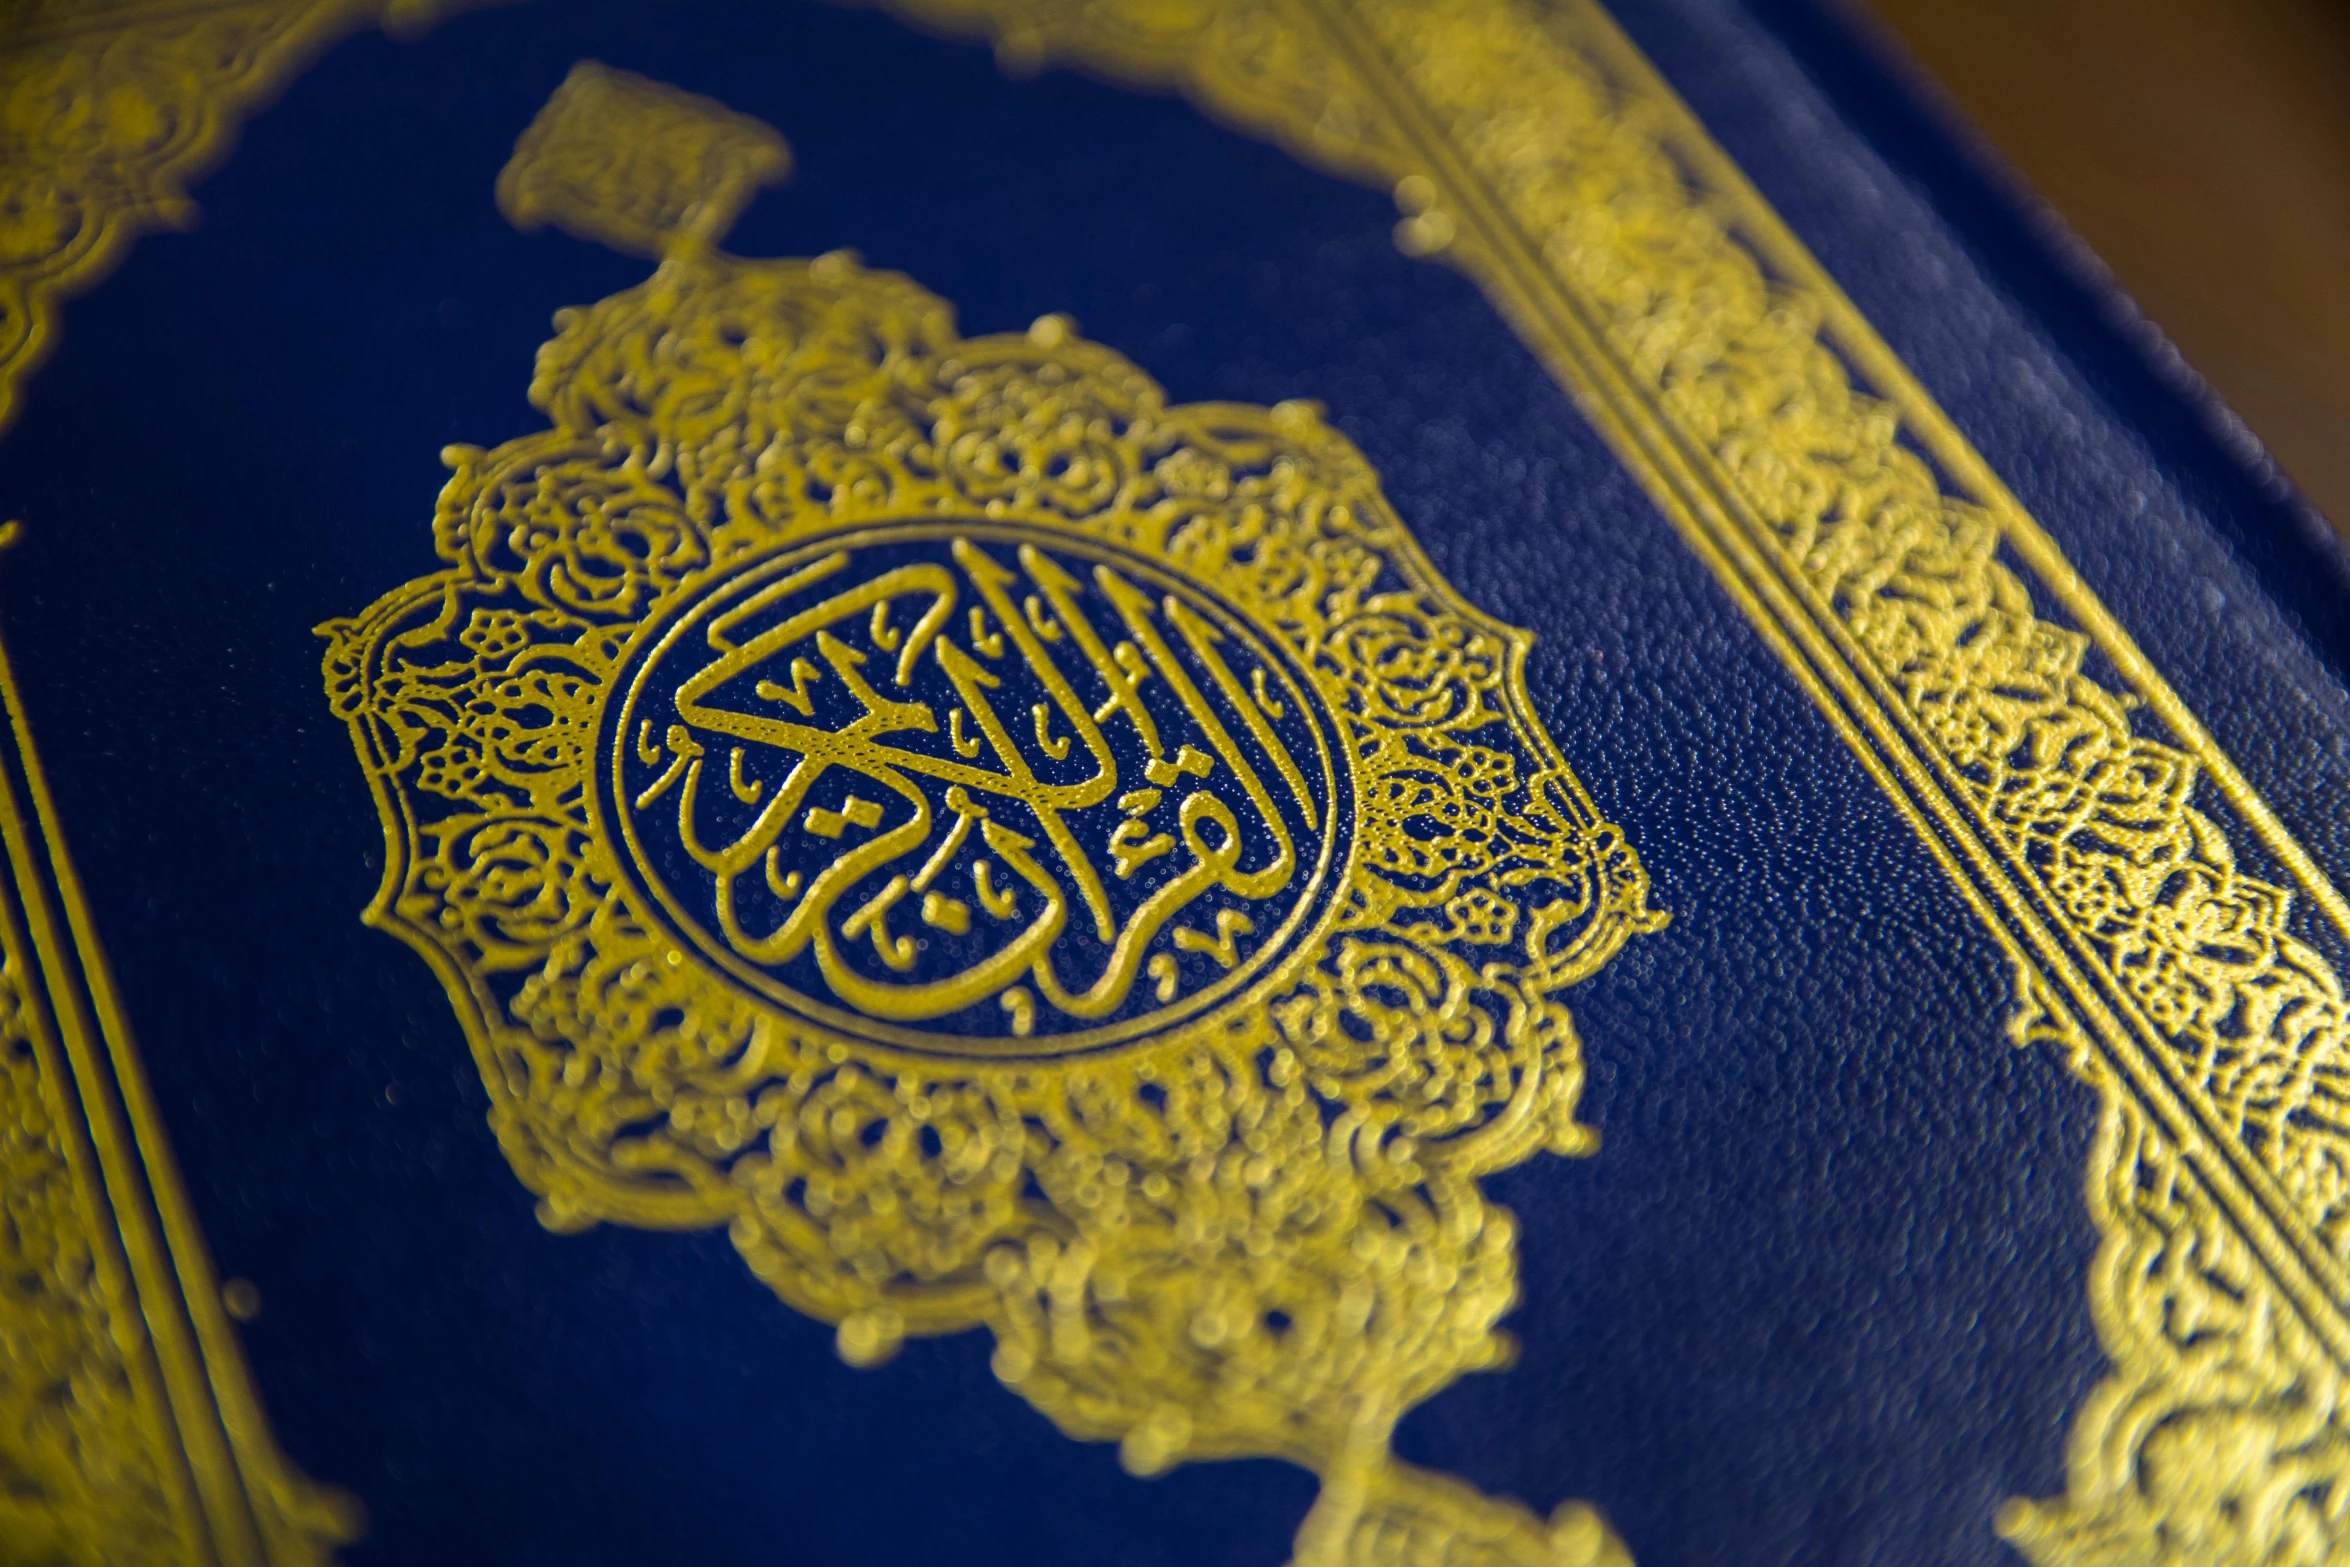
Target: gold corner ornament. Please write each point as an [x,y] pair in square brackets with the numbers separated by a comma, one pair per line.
[109,109]
[1015,852]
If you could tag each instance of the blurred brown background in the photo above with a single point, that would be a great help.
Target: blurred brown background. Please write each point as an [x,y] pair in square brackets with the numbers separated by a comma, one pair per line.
[2202,148]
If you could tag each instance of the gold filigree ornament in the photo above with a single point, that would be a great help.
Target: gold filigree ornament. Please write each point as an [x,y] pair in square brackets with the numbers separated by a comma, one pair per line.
[109,109]
[1013,851]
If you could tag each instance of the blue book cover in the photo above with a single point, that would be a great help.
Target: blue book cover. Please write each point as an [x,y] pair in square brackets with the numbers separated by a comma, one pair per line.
[1410,782]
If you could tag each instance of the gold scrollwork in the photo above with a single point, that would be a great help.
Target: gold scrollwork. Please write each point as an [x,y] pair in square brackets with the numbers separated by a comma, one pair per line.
[664,750]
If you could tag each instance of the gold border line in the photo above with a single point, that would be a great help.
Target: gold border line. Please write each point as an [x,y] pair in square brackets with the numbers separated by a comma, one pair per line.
[1890,377]
[228,1516]
[1499,123]
[2156,1381]
[84,1127]
[1706,508]
[2309,1272]
[1812,643]
[255,1510]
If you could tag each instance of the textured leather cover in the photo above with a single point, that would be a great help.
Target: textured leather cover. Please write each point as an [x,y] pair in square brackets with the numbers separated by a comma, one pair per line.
[1822,1292]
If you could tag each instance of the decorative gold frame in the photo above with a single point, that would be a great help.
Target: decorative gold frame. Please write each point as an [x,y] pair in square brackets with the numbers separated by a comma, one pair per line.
[2086,818]
[1251,1227]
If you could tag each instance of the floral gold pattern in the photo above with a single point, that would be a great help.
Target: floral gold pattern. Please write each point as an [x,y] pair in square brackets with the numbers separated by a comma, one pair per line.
[2070,793]
[1248,1227]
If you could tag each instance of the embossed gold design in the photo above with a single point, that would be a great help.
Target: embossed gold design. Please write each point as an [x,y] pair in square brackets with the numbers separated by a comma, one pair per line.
[2086,815]
[2218,1438]
[82,1480]
[1189,1100]
[1533,147]
[637,164]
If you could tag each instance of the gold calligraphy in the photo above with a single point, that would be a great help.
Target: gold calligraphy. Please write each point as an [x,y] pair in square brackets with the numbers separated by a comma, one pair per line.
[1536,110]
[885,782]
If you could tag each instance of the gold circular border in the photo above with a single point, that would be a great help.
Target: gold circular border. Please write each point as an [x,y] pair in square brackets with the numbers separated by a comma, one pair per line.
[1290,944]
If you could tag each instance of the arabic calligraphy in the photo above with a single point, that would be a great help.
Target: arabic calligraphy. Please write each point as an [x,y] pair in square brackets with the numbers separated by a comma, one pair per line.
[978,780]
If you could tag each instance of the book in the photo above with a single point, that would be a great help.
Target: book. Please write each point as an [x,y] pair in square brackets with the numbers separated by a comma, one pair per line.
[1133,780]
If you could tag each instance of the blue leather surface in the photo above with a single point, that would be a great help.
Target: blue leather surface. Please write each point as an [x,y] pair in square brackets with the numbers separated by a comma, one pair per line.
[1818,1298]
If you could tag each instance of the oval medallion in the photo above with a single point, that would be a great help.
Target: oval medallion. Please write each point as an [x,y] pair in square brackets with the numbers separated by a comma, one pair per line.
[975,788]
